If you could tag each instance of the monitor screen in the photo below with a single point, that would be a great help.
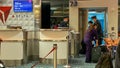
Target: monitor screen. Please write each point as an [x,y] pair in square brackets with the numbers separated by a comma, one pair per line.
[22,6]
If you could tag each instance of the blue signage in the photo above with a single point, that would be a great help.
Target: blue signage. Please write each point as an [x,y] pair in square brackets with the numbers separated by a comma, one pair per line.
[22,6]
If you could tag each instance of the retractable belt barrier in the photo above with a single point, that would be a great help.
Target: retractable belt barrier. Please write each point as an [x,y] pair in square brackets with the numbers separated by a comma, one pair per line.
[54,48]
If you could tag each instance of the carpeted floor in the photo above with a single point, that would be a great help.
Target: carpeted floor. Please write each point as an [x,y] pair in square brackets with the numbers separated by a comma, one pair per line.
[73,62]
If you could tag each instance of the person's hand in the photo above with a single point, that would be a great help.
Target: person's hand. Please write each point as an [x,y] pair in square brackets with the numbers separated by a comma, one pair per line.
[109,48]
[96,43]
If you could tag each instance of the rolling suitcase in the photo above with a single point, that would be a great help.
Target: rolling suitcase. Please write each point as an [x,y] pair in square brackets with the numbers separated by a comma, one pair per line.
[96,53]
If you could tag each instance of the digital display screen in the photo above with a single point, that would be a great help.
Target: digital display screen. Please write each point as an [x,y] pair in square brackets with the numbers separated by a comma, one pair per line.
[23,6]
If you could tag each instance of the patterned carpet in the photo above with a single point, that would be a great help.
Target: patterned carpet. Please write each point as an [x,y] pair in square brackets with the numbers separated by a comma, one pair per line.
[73,62]
[78,62]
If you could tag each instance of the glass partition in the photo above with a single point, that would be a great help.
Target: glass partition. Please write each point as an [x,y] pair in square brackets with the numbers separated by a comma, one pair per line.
[53,13]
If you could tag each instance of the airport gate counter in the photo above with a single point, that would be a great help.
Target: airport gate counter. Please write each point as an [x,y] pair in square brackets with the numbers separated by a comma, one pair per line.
[49,37]
[12,46]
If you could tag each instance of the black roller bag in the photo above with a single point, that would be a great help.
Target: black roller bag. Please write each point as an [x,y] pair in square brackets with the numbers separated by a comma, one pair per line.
[96,53]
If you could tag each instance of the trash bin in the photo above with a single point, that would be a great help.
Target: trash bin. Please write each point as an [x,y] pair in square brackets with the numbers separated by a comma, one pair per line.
[74,44]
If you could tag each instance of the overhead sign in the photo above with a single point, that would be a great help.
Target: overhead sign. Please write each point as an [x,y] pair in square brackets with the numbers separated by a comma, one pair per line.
[22,6]
[73,3]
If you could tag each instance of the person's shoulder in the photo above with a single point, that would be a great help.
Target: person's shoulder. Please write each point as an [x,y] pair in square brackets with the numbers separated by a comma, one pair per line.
[98,21]
[61,22]
[94,30]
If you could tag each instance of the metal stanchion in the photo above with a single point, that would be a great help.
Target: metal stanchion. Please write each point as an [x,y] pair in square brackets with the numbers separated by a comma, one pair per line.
[67,65]
[55,55]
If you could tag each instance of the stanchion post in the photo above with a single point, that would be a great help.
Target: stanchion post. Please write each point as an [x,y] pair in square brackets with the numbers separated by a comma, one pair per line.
[67,63]
[55,55]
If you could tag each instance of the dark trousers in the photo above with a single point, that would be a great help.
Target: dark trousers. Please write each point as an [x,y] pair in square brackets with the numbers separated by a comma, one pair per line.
[100,40]
[88,51]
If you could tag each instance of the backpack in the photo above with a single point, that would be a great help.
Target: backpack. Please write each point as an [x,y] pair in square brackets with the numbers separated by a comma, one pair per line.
[2,64]
[105,61]
[117,57]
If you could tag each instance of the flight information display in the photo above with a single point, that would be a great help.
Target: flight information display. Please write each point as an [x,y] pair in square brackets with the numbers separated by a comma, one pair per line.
[22,6]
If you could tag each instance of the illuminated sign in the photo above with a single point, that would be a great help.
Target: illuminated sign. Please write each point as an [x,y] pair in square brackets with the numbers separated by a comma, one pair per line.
[22,6]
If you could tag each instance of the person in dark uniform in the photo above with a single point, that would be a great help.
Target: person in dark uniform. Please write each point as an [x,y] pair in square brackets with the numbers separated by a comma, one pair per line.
[99,29]
[64,23]
[90,35]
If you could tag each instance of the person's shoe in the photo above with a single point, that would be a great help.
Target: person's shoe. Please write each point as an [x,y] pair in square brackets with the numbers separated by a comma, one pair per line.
[87,61]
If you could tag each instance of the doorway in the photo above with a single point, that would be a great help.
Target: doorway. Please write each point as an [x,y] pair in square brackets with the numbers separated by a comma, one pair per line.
[85,15]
